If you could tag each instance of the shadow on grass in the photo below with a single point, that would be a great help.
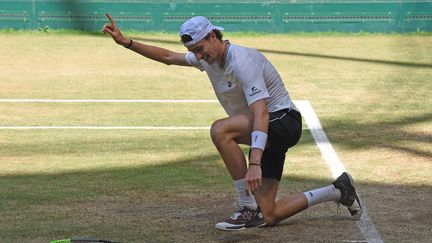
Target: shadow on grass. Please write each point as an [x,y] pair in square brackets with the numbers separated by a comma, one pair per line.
[278,52]
[179,201]
[389,134]
[291,53]
[312,55]
[342,58]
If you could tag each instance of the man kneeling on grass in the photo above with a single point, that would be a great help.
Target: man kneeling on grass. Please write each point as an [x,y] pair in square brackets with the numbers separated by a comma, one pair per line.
[260,114]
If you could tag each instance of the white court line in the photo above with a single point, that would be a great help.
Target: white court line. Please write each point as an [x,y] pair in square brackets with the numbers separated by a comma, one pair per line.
[329,155]
[100,128]
[102,101]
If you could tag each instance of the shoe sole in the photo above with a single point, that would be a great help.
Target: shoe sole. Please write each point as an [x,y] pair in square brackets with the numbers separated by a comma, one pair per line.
[228,228]
[238,228]
[255,226]
[357,215]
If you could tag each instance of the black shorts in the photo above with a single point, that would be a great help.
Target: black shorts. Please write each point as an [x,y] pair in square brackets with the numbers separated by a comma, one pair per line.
[284,131]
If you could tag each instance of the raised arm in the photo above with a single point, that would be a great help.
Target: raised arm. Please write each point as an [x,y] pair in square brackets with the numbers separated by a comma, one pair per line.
[153,52]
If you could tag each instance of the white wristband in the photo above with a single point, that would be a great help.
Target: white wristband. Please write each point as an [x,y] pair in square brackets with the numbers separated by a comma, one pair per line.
[259,140]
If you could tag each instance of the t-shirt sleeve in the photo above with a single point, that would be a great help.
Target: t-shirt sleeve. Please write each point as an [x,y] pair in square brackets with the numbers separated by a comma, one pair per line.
[193,61]
[251,77]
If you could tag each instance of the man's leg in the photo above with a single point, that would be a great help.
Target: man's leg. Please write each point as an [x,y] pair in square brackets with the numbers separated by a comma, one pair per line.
[226,135]
[341,190]
[276,211]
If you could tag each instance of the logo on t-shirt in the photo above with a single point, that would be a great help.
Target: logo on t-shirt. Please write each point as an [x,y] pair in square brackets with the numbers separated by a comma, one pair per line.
[254,91]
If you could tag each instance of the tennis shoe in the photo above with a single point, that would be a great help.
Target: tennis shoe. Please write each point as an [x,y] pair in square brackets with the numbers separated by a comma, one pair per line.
[349,196]
[241,219]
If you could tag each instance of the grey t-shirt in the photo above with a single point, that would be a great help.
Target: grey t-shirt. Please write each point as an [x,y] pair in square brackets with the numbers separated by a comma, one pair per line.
[246,77]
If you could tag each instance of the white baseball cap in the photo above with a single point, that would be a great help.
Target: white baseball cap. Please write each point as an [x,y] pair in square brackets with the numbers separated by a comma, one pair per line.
[197,27]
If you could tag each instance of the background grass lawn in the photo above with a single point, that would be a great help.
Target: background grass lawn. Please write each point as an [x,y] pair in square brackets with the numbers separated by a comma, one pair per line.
[371,92]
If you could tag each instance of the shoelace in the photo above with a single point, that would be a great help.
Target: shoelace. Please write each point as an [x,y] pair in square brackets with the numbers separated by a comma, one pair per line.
[235,215]
[237,209]
[237,212]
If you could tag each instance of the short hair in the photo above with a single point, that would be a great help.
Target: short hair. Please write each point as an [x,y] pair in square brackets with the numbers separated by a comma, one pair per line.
[187,38]
[218,34]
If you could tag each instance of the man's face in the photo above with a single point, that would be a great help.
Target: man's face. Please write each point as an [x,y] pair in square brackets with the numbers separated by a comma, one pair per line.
[205,49]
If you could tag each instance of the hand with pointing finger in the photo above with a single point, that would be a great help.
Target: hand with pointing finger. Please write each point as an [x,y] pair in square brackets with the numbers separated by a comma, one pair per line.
[114,31]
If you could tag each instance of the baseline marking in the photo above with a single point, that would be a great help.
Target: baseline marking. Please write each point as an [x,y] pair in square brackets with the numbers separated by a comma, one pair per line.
[103,128]
[100,128]
[102,101]
[329,155]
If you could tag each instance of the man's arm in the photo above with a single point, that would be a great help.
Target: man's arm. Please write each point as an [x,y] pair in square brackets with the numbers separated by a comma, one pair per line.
[159,54]
[153,52]
[260,125]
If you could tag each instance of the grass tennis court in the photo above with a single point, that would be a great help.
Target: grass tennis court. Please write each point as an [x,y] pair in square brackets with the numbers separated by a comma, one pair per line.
[371,93]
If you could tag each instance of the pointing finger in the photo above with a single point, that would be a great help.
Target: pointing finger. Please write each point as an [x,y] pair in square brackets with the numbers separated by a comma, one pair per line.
[111,19]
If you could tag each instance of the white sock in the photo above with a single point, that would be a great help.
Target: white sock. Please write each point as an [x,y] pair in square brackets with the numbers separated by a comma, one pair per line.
[244,199]
[324,194]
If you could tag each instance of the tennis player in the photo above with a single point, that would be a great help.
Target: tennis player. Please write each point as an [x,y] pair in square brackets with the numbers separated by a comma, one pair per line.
[260,114]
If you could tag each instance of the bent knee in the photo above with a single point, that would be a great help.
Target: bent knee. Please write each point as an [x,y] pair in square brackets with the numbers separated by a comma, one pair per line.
[271,220]
[217,130]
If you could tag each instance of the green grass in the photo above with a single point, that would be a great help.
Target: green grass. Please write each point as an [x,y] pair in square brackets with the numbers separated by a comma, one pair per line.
[371,92]
[111,114]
